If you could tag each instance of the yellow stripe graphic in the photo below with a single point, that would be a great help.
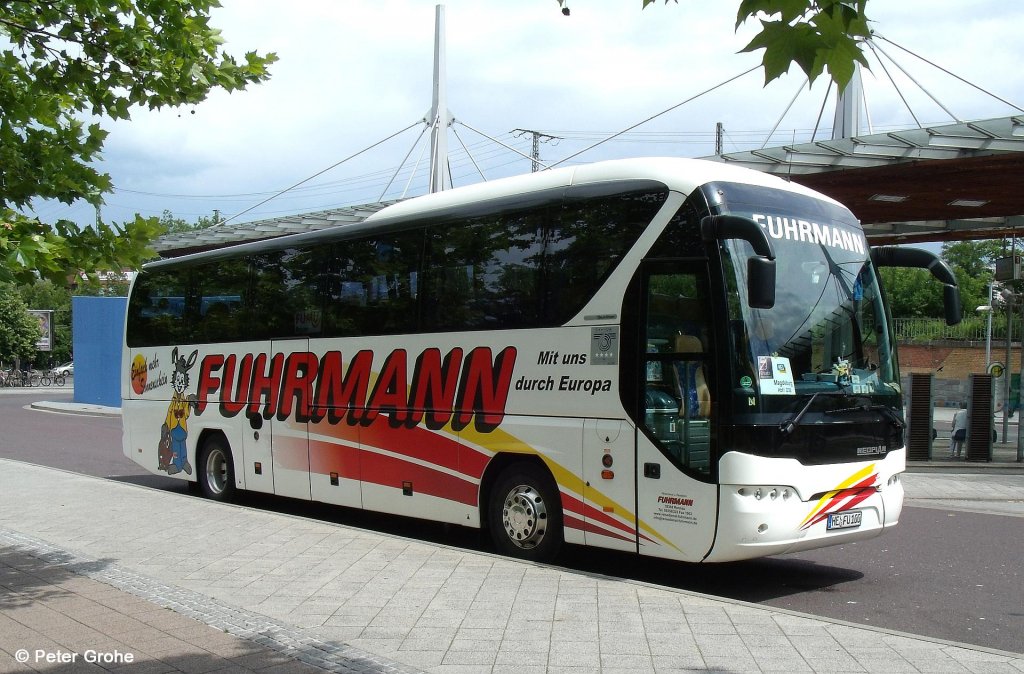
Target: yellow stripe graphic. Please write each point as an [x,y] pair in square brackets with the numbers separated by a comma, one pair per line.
[847,483]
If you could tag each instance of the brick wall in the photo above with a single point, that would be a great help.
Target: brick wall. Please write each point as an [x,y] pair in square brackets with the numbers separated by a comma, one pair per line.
[952,365]
[956,362]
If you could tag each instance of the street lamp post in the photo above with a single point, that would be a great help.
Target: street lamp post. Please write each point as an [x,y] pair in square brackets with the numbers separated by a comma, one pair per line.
[988,332]
[987,308]
[1006,383]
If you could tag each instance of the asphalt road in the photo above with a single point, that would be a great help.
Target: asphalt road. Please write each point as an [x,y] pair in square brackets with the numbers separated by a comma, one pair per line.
[945,572]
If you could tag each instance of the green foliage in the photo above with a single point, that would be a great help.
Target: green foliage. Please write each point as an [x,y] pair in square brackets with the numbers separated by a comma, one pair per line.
[816,35]
[19,330]
[66,60]
[914,293]
[30,249]
[169,224]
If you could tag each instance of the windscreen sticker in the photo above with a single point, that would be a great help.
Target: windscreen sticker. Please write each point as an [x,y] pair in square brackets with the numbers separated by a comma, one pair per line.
[775,376]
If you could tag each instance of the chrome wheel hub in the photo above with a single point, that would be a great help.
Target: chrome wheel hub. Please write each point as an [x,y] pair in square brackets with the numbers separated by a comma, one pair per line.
[524,516]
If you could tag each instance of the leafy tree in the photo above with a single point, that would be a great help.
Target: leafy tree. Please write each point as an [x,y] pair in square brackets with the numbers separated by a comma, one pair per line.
[19,330]
[63,61]
[30,249]
[169,224]
[816,35]
[913,293]
[972,262]
[49,295]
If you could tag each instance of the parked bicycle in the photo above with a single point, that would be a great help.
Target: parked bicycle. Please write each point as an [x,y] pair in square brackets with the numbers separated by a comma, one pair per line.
[14,377]
[28,378]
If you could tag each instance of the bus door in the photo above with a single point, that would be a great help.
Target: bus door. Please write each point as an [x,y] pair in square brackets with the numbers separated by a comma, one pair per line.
[290,426]
[677,499]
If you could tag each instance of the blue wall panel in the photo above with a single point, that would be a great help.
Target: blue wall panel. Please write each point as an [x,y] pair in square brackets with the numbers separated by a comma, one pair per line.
[98,326]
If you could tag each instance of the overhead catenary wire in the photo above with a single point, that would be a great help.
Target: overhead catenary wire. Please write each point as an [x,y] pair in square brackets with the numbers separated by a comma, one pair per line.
[663,112]
[507,147]
[821,112]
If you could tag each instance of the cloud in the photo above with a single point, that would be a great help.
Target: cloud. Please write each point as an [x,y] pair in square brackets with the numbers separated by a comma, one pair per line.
[352,73]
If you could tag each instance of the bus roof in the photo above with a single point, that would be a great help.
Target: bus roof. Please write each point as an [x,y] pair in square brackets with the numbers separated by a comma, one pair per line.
[677,174]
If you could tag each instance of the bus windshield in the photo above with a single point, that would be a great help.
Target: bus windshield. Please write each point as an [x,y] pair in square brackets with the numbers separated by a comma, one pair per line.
[828,332]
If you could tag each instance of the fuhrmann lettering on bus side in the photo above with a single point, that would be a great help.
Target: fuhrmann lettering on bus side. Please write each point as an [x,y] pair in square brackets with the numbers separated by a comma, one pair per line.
[458,387]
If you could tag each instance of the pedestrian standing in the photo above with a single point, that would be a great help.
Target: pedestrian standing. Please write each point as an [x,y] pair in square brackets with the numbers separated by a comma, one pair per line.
[956,444]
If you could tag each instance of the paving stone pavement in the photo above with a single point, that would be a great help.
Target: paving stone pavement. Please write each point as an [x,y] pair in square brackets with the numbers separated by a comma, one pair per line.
[184,584]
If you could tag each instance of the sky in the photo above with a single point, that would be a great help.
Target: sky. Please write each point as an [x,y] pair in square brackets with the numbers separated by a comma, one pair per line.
[351,73]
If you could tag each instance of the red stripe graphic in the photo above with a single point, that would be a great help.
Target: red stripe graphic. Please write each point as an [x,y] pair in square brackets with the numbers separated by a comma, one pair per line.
[417,443]
[391,471]
[572,522]
[331,457]
[838,502]
[571,503]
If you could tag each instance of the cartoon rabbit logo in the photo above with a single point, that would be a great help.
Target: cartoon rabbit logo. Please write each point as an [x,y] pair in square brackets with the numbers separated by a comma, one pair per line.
[172,455]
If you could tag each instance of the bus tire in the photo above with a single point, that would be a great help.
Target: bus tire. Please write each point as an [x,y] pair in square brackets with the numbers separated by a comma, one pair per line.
[216,470]
[525,513]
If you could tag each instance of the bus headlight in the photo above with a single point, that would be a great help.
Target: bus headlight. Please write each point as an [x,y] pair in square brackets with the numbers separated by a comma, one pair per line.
[769,493]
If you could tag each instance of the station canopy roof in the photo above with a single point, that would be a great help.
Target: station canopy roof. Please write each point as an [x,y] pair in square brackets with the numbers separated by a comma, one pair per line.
[218,236]
[936,183]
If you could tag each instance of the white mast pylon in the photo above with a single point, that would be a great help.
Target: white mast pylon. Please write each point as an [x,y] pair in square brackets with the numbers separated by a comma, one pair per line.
[439,118]
[846,123]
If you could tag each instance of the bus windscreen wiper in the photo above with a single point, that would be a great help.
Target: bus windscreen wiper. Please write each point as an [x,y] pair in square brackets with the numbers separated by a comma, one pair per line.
[886,411]
[788,425]
[791,423]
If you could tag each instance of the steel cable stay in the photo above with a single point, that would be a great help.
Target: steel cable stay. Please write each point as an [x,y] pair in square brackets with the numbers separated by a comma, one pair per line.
[655,116]
[876,50]
[415,168]
[400,165]
[321,172]
[948,72]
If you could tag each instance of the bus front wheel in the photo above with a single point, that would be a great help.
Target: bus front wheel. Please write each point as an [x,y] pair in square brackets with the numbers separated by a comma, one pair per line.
[216,474]
[525,514]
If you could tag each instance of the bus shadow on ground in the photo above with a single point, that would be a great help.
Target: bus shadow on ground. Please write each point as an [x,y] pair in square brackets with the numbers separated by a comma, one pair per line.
[756,581]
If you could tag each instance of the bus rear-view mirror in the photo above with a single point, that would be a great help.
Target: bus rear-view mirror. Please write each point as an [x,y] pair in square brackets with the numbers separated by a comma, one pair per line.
[760,282]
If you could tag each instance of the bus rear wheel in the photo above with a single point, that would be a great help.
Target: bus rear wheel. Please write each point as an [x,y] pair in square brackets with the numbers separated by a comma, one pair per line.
[525,514]
[216,474]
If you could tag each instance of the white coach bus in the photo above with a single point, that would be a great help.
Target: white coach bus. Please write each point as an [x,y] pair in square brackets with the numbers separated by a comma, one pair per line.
[677,358]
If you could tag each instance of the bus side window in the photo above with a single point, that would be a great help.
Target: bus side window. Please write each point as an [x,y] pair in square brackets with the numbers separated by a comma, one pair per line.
[156,309]
[392,284]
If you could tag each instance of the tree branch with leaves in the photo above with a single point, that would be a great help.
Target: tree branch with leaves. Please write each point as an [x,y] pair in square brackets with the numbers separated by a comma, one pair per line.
[66,63]
[816,35]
